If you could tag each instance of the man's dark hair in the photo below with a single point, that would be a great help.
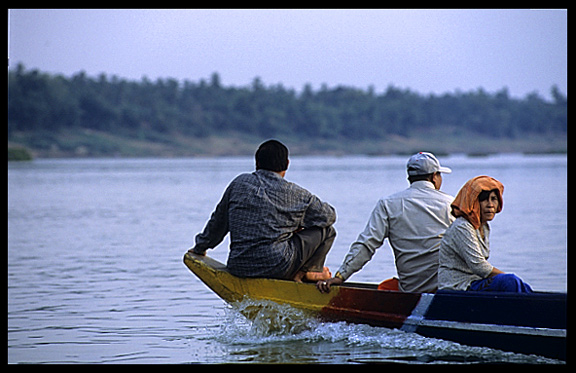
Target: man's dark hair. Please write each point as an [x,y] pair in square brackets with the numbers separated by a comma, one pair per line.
[272,155]
[426,177]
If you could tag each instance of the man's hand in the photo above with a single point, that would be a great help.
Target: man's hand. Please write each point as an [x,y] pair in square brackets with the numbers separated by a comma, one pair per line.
[191,251]
[324,286]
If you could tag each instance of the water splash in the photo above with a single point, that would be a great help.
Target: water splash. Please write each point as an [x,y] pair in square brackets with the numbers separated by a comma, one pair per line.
[265,319]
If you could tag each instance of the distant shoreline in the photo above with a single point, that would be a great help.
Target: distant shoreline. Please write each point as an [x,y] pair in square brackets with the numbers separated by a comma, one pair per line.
[52,116]
[93,144]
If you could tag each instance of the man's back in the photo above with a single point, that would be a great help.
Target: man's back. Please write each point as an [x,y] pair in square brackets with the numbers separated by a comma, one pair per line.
[262,210]
[417,220]
[414,220]
[277,228]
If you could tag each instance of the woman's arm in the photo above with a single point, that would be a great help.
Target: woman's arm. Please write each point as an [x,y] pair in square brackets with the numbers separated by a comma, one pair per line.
[468,248]
[495,271]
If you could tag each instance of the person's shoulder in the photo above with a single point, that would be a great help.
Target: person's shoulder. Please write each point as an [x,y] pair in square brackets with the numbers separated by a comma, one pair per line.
[445,196]
[459,231]
[463,225]
[409,193]
[429,194]
[244,177]
[398,195]
[298,189]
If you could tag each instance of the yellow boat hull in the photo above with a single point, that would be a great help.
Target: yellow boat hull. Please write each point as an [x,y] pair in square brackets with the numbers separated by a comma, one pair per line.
[361,303]
[231,288]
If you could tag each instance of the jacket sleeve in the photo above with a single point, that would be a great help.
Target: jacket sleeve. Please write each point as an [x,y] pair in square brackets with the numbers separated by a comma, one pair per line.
[373,236]
[469,250]
[318,214]
[216,228]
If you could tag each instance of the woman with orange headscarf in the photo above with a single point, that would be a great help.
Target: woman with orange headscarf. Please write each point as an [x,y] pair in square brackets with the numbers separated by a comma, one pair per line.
[465,247]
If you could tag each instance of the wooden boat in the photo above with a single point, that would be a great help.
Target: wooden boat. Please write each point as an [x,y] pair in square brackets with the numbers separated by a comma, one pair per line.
[525,323]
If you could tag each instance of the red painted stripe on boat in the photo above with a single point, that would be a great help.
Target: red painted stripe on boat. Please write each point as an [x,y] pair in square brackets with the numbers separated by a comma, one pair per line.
[379,308]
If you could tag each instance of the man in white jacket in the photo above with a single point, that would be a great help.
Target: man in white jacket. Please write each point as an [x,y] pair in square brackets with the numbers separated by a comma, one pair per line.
[414,221]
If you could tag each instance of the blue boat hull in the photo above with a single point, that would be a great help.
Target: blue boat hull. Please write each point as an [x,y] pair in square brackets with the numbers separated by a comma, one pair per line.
[525,323]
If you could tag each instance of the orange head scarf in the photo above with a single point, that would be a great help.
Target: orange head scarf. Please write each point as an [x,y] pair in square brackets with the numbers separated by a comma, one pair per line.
[466,203]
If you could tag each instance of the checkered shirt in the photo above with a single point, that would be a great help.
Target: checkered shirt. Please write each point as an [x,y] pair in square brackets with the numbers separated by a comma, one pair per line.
[261,210]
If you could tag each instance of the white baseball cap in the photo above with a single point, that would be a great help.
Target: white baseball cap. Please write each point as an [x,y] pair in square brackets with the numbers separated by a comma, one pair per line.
[423,163]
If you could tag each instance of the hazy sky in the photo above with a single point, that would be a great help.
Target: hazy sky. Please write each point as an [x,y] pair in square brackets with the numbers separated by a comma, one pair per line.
[425,50]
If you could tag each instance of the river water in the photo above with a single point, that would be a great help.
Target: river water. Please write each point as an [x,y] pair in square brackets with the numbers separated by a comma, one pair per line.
[95,246]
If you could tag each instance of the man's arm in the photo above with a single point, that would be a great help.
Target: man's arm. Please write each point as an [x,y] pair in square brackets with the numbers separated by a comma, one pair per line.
[319,214]
[216,228]
[362,250]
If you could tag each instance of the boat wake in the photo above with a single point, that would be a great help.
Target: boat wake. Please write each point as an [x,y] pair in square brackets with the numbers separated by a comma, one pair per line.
[264,319]
[265,331]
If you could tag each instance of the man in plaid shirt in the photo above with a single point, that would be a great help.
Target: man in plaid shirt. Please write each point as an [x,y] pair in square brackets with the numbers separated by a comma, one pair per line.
[277,228]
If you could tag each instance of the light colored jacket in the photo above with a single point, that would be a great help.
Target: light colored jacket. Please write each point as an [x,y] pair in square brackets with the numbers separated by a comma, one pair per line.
[463,255]
[414,221]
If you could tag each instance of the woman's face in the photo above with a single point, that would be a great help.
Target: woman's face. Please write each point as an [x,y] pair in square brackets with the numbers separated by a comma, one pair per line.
[488,207]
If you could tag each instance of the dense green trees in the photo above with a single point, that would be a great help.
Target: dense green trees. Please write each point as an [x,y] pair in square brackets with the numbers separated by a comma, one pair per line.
[43,102]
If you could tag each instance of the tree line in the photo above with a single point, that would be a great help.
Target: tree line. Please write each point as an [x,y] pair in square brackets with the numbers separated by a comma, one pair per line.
[40,101]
